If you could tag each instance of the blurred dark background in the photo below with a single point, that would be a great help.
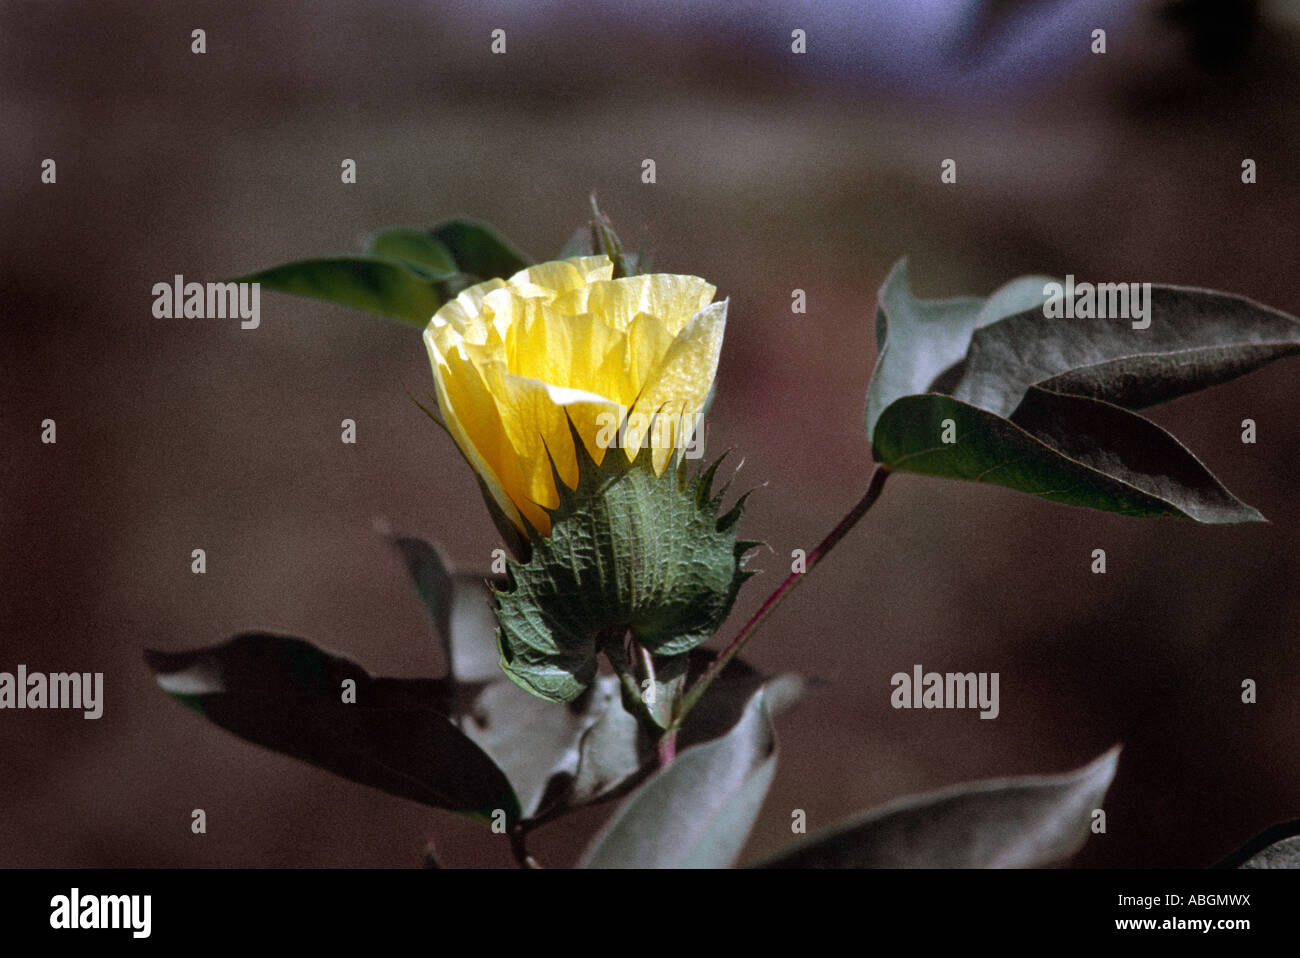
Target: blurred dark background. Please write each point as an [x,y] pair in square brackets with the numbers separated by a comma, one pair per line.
[775,171]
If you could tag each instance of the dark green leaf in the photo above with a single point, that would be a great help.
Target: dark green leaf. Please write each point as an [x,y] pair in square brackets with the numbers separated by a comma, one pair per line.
[536,743]
[479,251]
[1067,449]
[1130,449]
[1012,823]
[287,695]
[407,274]
[380,286]
[417,250]
[1276,847]
[699,810]
[532,741]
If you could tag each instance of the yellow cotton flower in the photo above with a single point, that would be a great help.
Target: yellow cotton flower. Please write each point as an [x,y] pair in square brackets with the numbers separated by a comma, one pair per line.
[511,358]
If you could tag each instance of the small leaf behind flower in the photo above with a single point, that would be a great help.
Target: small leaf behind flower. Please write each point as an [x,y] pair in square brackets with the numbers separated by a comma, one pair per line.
[406,274]
[376,285]
[699,810]
[1010,823]
[480,251]
[579,244]
[418,250]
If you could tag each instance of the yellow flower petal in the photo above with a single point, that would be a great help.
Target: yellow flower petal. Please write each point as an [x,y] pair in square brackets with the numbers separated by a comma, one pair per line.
[648,340]
[533,417]
[678,387]
[471,416]
[616,302]
[516,361]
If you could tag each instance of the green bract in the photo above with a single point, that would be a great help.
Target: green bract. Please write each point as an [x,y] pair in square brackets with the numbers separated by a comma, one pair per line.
[628,552]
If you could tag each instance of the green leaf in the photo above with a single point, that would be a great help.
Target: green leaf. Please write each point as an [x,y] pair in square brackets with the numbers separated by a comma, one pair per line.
[417,250]
[1276,847]
[287,695]
[479,251]
[1066,449]
[921,339]
[627,551]
[407,273]
[1042,404]
[699,810]
[380,286]
[1011,823]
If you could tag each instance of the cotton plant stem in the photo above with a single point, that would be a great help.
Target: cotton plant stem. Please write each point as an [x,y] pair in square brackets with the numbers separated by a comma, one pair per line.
[666,749]
[874,486]
[665,740]
[633,697]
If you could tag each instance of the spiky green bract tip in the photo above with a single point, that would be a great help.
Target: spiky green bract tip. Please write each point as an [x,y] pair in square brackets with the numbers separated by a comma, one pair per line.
[628,551]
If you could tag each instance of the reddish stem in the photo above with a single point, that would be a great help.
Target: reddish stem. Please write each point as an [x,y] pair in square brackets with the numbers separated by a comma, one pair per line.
[667,746]
[874,486]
